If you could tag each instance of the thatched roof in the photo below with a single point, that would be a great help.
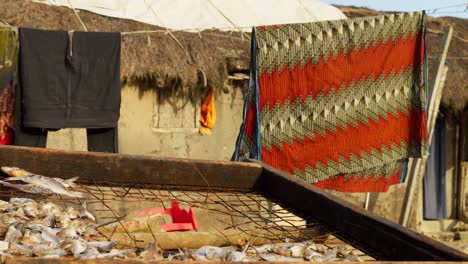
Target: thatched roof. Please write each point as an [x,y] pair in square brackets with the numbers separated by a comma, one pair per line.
[157,59]
[455,95]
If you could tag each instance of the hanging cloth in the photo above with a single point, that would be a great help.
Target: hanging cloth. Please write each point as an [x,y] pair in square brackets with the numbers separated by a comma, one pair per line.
[435,196]
[208,114]
[340,104]
[8,68]
[70,80]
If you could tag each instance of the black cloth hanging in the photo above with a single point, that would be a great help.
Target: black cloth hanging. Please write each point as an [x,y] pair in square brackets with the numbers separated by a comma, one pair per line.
[70,80]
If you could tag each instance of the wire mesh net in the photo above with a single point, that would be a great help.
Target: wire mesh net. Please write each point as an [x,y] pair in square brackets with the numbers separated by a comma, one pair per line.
[224,216]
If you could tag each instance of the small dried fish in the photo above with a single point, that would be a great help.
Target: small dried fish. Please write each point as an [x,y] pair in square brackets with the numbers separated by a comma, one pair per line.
[4,206]
[12,234]
[275,257]
[72,212]
[17,249]
[31,238]
[28,188]
[152,252]
[15,172]
[4,245]
[78,246]
[62,220]
[68,183]
[47,209]
[67,232]
[114,253]
[22,201]
[103,246]
[31,210]
[51,184]
[85,215]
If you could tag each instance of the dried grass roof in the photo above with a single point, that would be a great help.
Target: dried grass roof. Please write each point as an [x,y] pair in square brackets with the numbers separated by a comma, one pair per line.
[157,59]
[455,94]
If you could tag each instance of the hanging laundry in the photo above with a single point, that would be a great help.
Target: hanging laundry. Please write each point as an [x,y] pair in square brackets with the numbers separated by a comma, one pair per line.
[208,114]
[8,68]
[435,197]
[339,104]
[70,80]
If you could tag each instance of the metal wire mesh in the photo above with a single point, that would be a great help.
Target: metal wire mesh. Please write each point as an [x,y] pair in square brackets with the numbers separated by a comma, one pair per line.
[227,214]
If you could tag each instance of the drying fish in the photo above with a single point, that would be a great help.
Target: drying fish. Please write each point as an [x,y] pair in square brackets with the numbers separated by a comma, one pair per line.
[72,212]
[28,188]
[67,183]
[17,249]
[67,232]
[12,234]
[15,172]
[152,252]
[4,245]
[48,183]
[22,201]
[114,253]
[103,246]
[275,257]
[78,246]
[85,215]
[5,205]
[56,253]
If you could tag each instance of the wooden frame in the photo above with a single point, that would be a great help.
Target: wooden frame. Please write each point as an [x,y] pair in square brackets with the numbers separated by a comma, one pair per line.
[375,235]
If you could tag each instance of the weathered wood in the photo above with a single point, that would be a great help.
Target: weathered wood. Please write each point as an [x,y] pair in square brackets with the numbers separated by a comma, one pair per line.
[194,240]
[463,192]
[131,169]
[377,236]
[437,87]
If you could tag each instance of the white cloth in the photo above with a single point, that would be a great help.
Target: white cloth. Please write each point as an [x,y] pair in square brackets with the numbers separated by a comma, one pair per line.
[194,15]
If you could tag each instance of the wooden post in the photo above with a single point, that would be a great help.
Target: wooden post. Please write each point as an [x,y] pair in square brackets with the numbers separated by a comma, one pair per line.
[416,172]
[366,203]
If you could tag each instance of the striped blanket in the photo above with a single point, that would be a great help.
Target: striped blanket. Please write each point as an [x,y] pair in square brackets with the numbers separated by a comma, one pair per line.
[340,104]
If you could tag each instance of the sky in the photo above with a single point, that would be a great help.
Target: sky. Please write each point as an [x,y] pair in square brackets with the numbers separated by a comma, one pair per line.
[410,5]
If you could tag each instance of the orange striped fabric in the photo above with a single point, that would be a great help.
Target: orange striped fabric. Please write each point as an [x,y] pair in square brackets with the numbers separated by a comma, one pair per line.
[340,104]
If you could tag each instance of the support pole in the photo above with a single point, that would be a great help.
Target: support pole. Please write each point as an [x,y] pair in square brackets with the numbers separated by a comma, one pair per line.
[416,171]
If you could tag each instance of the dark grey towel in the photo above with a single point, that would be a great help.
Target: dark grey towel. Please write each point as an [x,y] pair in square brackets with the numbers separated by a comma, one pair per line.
[70,81]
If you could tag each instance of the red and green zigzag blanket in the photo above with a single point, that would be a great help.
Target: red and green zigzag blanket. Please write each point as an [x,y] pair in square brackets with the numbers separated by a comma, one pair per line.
[340,104]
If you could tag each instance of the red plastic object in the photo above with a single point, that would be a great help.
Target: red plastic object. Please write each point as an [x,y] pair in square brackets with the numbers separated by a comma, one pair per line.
[182,220]
[8,139]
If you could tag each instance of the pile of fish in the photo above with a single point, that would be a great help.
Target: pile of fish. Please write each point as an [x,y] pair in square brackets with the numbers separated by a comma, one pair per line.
[284,252]
[46,230]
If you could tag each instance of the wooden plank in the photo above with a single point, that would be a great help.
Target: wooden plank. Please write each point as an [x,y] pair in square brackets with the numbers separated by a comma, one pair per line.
[463,192]
[437,87]
[131,169]
[377,236]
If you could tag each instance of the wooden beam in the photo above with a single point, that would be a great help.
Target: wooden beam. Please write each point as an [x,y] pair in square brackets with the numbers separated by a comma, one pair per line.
[380,238]
[129,170]
[462,192]
[419,165]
